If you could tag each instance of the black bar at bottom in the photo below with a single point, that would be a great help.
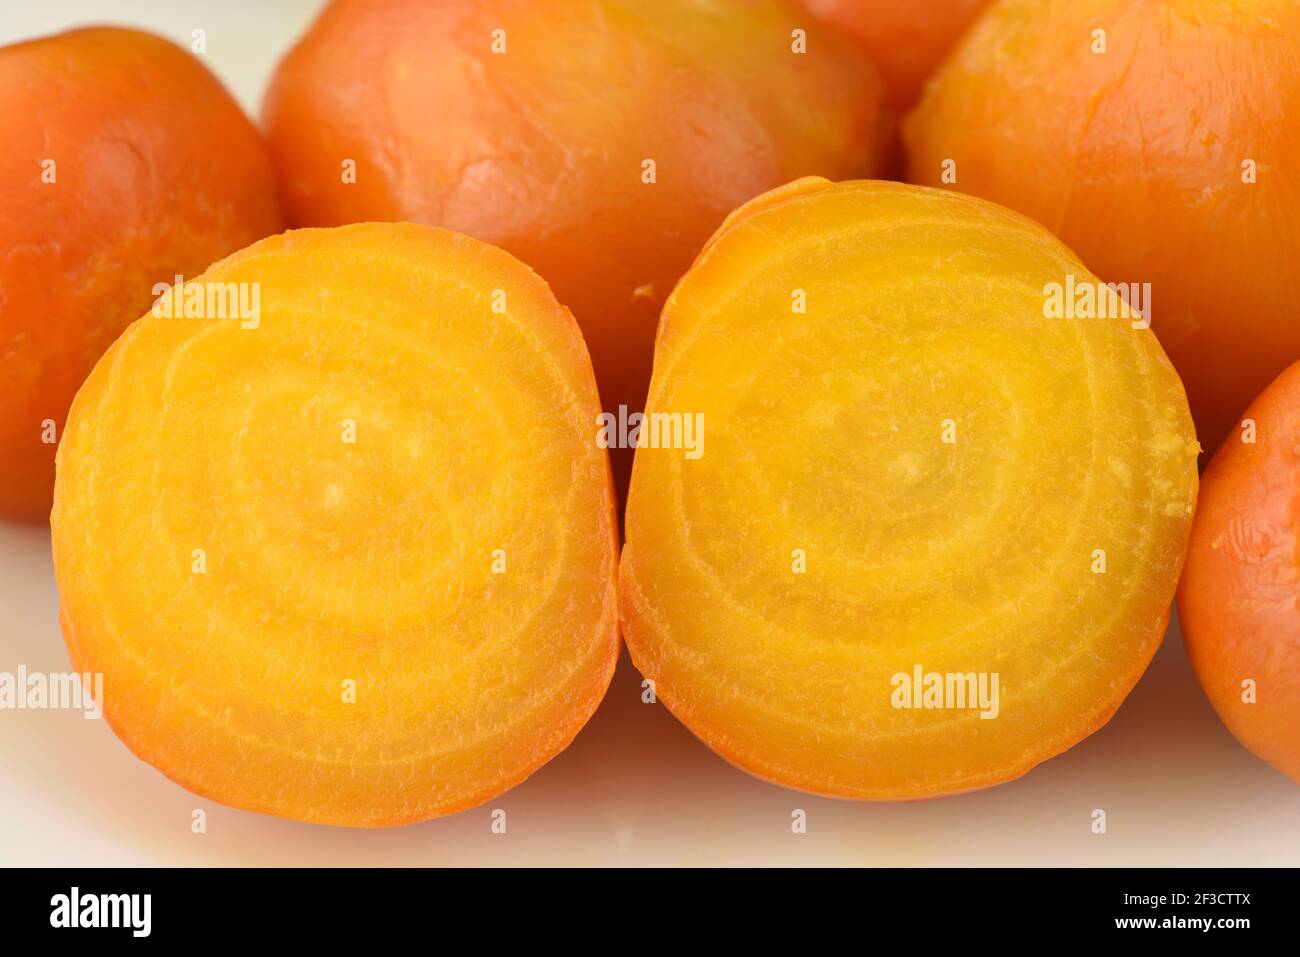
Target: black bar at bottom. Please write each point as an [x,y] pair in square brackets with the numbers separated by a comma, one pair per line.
[332,906]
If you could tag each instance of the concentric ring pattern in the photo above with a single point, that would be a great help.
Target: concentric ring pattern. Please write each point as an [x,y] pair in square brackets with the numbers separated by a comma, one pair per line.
[907,465]
[352,560]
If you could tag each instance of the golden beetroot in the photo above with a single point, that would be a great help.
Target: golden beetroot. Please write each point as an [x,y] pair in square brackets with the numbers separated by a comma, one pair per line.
[1237,598]
[348,556]
[125,164]
[933,531]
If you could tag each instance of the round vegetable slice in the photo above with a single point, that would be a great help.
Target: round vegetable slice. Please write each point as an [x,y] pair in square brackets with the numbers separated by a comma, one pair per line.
[348,556]
[932,532]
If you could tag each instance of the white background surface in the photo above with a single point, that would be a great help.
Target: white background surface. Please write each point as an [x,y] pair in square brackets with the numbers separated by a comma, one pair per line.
[635,788]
